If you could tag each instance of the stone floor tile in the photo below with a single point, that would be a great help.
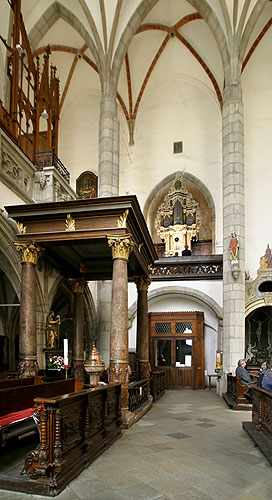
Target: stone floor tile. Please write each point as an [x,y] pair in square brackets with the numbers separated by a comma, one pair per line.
[85,489]
[141,492]
[217,489]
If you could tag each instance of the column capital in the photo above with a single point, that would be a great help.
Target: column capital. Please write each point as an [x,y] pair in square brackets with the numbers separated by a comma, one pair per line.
[121,246]
[78,285]
[142,283]
[29,252]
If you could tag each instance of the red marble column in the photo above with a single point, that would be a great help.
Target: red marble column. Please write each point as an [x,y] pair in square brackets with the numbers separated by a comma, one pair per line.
[28,365]
[78,324]
[142,327]
[119,369]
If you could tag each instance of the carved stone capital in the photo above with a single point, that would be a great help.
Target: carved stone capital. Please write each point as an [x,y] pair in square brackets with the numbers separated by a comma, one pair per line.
[29,252]
[28,367]
[78,285]
[121,246]
[142,284]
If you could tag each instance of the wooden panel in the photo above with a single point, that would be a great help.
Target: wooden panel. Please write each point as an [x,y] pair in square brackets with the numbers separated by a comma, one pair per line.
[183,377]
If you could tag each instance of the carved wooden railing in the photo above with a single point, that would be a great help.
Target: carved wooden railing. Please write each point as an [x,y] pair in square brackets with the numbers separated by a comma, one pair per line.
[138,394]
[74,429]
[50,159]
[262,410]
[202,267]
[157,384]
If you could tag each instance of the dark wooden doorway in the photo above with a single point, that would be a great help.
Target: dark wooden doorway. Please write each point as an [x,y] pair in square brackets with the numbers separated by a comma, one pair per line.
[176,346]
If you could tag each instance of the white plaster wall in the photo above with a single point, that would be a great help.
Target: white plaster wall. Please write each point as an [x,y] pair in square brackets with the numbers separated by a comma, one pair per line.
[179,109]
[257,93]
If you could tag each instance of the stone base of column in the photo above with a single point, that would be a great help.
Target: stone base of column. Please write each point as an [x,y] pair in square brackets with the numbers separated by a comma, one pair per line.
[78,369]
[143,368]
[129,418]
[119,373]
[28,367]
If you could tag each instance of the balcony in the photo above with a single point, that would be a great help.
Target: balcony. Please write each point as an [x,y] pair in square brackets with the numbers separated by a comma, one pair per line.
[50,159]
[193,267]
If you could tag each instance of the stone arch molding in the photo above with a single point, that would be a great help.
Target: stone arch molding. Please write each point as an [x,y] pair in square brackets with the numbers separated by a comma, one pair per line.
[182,291]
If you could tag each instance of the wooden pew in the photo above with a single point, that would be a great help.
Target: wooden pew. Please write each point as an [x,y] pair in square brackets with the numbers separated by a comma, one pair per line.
[16,404]
[235,395]
[260,428]
[19,382]
[74,429]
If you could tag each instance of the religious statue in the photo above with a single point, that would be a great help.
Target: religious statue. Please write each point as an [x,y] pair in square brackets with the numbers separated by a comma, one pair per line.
[234,247]
[249,352]
[52,330]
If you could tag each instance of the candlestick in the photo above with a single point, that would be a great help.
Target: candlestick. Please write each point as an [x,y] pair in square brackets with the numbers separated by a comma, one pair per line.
[65,353]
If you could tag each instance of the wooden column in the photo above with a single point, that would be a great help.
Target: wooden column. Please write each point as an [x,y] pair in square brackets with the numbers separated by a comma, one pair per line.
[78,323]
[119,369]
[142,327]
[28,365]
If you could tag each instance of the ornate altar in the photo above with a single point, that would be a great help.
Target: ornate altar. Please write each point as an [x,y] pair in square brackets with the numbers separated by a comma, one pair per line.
[178,219]
[258,326]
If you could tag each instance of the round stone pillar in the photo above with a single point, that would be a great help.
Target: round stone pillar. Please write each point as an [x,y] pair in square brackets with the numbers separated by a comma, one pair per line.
[142,328]
[119,369]
[78,287]
[108,166]
[28,365]
[233,339]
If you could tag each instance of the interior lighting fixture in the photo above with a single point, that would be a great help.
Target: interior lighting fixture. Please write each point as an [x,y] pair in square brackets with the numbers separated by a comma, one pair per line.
[19,49]
[44,114]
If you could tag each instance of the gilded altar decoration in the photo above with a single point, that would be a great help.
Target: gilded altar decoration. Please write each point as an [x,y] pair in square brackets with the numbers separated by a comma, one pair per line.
[29,252]
[122,221]
[121,246]
[52,330]
[178,219]
[70,223]
[21,228]
[259,290]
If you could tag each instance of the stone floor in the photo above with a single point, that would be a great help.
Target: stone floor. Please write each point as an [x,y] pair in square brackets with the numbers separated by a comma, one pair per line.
[188,446]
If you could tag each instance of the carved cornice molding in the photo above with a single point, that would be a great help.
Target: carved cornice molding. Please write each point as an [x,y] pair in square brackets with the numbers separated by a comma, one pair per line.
[29,252]
[121,246]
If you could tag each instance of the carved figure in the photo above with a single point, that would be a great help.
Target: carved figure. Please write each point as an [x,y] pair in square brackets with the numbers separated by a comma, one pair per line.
[234,247]
[249,353]
[52,330]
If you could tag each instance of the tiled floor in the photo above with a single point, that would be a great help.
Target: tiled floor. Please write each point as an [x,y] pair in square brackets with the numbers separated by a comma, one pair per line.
[188,446]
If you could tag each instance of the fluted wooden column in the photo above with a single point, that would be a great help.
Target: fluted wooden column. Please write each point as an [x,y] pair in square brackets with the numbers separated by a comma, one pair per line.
[142,327]
[119,369]
[29,253]
[78,287]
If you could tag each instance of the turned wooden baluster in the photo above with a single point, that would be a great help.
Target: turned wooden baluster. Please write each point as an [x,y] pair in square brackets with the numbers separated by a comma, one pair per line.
[57,443]
[43,453]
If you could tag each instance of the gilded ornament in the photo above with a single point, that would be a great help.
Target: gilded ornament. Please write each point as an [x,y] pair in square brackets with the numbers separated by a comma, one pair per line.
[122,221]
[142,284]
[70,223]
[78,285]
[140,246]
[121,246]
[29,252]
[21,228]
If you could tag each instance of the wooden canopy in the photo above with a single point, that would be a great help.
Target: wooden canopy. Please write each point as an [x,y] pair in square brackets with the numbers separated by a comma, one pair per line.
[75,234]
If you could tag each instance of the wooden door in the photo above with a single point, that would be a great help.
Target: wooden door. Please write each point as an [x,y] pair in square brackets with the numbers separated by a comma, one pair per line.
[177,347]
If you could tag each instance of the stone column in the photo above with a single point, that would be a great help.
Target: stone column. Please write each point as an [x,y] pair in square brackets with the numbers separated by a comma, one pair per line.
[108,168]
[78,287]
[142,328]
[108,185]
[233,342]
[29,253]
[119,369]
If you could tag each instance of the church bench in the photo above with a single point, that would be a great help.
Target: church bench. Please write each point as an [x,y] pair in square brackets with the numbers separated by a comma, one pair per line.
[235,395]
[260,428]
[19,382]
[73,429]
[16,405]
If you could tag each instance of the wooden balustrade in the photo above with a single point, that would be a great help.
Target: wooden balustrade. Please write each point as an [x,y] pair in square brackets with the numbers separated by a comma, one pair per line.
[138,394]
[260,429]
[157,384]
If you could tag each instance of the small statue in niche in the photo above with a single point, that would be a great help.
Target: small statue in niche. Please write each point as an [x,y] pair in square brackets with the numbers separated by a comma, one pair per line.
[52,330]
[249,352]
[234,247]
